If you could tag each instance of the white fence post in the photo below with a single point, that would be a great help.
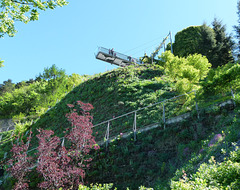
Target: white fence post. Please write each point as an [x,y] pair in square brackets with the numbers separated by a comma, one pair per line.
[135,126]
[196,105]
[164,119]
[233,97]
[107,134]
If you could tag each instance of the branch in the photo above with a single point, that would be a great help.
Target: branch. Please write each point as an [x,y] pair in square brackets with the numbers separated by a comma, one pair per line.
[22,3]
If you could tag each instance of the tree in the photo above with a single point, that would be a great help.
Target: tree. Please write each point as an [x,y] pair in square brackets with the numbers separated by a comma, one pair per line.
[20,164]
[213,43]
[23,11]
[52,73]
[222,79]
[50,163]
[194,39]
[222,52]
[7,86]
[81,138]
[186,72]
[61,167]
[237,30]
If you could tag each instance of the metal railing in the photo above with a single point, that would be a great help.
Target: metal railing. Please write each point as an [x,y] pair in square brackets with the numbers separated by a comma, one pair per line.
[163,104]
[113,53]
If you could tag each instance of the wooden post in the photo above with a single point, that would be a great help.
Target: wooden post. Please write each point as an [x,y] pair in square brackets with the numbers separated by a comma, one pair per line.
[164,119]
[135,126]
[197,106]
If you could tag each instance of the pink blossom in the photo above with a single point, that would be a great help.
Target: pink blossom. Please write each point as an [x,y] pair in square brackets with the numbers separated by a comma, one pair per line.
[70,105]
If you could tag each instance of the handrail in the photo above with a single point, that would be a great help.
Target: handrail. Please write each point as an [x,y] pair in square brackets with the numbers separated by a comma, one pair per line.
[108,121]
[142,109]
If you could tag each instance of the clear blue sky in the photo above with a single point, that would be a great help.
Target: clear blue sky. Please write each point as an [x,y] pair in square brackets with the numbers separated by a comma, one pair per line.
[69,36]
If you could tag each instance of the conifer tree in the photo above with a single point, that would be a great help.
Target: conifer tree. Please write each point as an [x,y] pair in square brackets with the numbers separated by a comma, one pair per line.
[222,52]
[237,30]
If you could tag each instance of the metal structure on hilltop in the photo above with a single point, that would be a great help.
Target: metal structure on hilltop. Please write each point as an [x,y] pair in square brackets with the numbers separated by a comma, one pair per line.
[153,55]
[116,58]
[119,59]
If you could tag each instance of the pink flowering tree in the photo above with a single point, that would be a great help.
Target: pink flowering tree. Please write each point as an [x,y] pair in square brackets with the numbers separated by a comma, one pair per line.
[65,167]
[49,160]
[20,164]
[60,166]
[81,138]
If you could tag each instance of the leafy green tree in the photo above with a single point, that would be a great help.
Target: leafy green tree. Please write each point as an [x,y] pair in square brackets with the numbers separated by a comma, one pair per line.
[186,72]
[194,39]
[222,79]
[52,73]
[213,43]
[23,11]
[7,86]
[222,53]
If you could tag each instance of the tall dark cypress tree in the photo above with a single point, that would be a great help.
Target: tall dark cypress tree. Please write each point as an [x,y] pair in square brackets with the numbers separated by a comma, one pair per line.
[237,30]
[222,52]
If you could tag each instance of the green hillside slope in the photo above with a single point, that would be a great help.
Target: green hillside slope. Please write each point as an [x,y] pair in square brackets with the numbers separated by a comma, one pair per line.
[156,155]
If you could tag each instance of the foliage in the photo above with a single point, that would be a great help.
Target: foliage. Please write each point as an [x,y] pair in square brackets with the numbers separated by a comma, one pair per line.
[96,187]
[63,167]
[20,164]
[23,11]
[60,166]
[210,42]
[224,175]
[7,86]
[156,155]
[1,63]
[34,98]
[194,39]
[52,73]
[222,79]
[224,45]
[22,127]
[186,71]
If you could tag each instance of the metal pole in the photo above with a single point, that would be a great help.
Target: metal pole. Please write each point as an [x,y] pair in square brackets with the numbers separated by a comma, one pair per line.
[197,106]
[233,97]
[63,142]
[164,119]
[107,135]
[135,126]
[171,41]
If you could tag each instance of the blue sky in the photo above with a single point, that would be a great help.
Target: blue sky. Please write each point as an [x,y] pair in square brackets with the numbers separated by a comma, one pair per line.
[69,36]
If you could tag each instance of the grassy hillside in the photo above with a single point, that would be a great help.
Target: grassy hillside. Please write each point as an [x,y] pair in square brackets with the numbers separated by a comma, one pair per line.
[153,159]
[159,155]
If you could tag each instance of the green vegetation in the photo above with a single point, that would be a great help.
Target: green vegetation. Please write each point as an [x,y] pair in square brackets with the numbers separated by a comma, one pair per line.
[199,151]
[153,159]
[210,42]
[23,11]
